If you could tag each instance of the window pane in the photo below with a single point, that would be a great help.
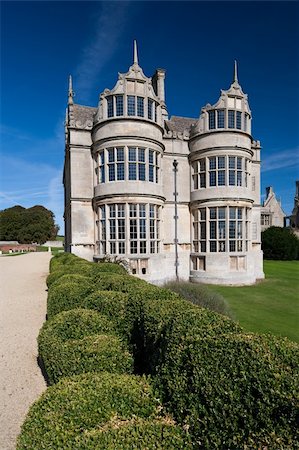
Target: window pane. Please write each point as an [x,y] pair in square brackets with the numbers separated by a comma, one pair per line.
[232,229]
[151,156]
[111,170]
[211,120]
[121,229]
[112,229]
[212,213]
[121,248]
[212,178]
[231,119]
[212,162]
[221,213]
[119,105]
[110,154]
[133,247]
[232,178]
[221,178]
[140,106]
[202,179]
[221,229]
[232,212]
[132,171]
[151,173]
[220,118]
[239,178]
[133,210]
[213,246]
[150,109]
[221,162]
[120,171]
[132,153]
[142,229]
[131,105]
[152,210]
[143,247]
[232,162]
[141,172]
[133,229]
[212,230]
[110,112]
[120,154]
[238,120]
[141,154]
[142,210]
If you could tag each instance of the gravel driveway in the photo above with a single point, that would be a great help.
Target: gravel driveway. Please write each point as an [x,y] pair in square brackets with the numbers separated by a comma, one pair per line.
[22,312]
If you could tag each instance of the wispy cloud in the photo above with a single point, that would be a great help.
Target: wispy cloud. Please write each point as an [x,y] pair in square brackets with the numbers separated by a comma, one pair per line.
[280,160]
[109,27]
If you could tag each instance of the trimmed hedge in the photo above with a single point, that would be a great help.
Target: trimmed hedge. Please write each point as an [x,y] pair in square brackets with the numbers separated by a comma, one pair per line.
[85,268]
[67,293]
[233,390]
[100,411]
[64,259]
[166,323]
[112,304]
[80,341]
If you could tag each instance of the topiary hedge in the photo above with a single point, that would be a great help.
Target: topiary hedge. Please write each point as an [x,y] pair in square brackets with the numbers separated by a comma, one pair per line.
[100,411]
[68,292]
[233,390]
[80,341]
[101,267]
[64,259]
[166,323]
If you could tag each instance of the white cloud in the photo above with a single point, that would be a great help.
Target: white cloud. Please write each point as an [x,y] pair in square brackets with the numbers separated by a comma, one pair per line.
[280,160]
[109,27]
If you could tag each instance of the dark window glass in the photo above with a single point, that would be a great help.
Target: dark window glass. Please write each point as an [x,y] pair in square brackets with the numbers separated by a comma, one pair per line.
[120,171]
[140,106]
[238,120]
[120,156]
[150,108]
[132,154]
[220,118]
[110,111]
[151,173]
[221,178]
[141,170]
[212,162]
[110,154]
[212,178]
[221,162]
[111,170]
[132,171]
[211,120]
[131,105]
[119,105]
[231,119]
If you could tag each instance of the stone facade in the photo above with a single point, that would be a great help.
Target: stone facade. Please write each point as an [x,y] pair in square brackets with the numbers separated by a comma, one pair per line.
[272,214]
[178,197]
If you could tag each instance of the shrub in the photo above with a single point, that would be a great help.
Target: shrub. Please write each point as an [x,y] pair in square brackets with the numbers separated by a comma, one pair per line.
[64,259]
[111,303]
[80,341]
[233,391]
[280,244]
[67,293]
[201,296]
[116,282]
[168,323]
[109,267]
[71,269]
[93,411]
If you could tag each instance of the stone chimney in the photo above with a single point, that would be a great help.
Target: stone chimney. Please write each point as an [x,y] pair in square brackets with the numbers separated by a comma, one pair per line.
[269,191]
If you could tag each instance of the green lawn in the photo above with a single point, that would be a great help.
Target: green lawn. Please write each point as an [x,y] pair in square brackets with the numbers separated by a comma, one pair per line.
[271,305]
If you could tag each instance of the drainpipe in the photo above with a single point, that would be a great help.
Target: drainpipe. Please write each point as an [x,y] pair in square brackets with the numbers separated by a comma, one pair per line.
[175,170]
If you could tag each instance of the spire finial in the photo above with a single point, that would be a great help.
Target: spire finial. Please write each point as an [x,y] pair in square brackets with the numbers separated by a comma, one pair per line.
[236,72]
[71,92]
[135,52]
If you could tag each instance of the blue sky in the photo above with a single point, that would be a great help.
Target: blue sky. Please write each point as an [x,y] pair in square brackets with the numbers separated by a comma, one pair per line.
[196,42]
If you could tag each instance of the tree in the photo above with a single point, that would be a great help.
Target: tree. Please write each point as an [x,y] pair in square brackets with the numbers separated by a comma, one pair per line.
[280,244]
[34,224]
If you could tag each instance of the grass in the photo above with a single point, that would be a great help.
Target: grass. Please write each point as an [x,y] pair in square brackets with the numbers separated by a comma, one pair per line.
[271,305]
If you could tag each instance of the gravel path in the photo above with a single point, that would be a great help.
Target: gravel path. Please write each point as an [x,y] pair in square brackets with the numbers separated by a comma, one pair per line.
[22,312]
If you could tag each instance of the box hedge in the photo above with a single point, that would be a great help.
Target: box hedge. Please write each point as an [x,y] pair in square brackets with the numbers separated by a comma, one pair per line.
[233,391]
[64,259]
[68,292]
[80,341]
[97,411]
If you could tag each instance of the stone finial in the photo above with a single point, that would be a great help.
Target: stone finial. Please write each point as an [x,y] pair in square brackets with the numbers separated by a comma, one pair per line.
[236,72]
[135,61]
[71,93]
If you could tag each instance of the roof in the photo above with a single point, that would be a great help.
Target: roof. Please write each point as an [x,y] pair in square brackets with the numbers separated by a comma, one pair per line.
[83,113]
[179,124]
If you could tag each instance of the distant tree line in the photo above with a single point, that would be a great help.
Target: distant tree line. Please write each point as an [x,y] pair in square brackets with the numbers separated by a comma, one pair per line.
[280,244]
[26,225]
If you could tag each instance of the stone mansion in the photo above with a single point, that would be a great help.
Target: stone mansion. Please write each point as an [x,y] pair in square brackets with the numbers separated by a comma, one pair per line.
[178,197]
